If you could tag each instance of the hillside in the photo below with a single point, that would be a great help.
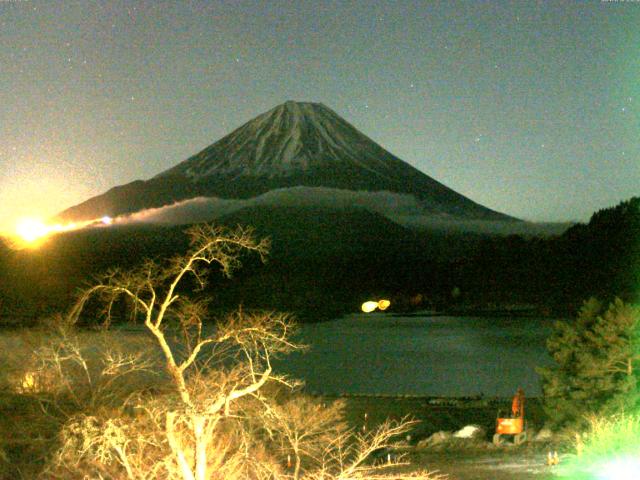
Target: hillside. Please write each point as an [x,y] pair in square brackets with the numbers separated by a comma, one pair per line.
[294,144]
[326,261]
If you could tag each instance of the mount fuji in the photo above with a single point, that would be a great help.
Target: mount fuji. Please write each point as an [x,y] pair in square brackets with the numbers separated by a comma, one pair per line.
[297,153]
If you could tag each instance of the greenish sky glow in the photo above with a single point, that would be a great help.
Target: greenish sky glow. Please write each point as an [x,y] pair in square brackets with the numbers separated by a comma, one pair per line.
[530,108]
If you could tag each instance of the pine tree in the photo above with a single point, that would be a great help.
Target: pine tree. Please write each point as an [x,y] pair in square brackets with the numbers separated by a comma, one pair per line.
[597,358]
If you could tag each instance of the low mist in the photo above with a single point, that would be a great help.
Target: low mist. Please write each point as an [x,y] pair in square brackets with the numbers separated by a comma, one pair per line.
[403,209]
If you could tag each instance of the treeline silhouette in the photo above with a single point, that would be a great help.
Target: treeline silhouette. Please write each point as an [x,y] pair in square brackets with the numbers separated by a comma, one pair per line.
[326,262]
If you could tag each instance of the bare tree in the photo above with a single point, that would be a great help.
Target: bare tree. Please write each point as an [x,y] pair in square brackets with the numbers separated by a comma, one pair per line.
[216,420]
[153,289]
[205,398]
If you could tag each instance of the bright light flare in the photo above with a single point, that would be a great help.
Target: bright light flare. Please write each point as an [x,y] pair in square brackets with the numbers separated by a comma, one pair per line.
[32,232]
[31,229]
[370,306]
[625,468]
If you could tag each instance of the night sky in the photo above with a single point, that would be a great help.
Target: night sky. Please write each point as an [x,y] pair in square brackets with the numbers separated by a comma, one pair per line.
[529,108]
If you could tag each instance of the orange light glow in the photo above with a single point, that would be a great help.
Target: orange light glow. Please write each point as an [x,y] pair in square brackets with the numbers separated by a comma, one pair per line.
[383,304]
[30,229]
[370,306]
[32,232]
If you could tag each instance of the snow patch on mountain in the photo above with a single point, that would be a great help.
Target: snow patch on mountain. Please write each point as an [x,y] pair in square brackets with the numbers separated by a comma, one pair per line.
[288,139]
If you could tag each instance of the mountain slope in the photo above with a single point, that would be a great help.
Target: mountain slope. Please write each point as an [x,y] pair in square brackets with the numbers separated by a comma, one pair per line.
[294,144]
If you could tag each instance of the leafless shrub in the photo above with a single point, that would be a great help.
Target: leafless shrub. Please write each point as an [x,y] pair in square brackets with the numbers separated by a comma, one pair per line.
[52,374]
[301,428]
[82,372]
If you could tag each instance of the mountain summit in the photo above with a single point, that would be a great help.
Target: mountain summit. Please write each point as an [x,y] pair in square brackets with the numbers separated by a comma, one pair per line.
[291,139]
[296,144]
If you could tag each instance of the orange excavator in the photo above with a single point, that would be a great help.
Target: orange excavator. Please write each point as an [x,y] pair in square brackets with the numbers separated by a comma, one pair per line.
[514,425]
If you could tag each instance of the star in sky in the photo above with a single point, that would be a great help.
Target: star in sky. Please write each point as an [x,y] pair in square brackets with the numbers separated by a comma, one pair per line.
[527,72]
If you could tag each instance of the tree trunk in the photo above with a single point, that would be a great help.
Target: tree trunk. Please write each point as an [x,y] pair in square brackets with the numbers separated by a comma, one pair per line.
[296,471]
[201,441]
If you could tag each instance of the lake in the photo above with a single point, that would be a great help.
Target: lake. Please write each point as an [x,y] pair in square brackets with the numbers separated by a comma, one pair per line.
[382,354]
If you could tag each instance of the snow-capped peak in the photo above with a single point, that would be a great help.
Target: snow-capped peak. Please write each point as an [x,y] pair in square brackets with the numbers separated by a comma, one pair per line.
[291,138]
[294,144]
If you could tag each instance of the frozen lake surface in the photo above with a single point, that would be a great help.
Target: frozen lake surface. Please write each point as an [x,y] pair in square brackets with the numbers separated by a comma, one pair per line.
[421,355]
